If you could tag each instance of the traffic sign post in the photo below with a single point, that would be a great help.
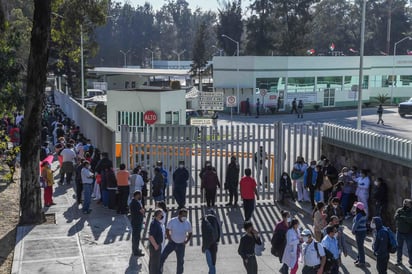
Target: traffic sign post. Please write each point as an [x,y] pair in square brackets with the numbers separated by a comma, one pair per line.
[231,101]
[150,117]
[211,101]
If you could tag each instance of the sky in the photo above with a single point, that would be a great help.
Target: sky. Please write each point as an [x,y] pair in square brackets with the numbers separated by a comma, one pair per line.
[193,4]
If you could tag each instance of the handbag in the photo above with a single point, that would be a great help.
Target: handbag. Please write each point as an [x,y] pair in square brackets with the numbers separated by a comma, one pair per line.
[296,174]
[326,185]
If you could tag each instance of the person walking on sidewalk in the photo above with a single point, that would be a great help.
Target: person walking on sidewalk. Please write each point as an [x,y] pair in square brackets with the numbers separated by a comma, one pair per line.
[137,214]
[294,106]
[380,245]
[330,243]
[403,221]
[180,178]
[179,233]
[380,113]
[210,183]
[359,230]
[279,238]
[232,181]
[87,180]
[246,248]
[313,254]
[292,249]
[210,237]
[155,241]
[300,109]
[257,107]
[248,190]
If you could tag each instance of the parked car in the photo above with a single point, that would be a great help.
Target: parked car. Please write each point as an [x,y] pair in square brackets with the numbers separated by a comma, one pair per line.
[405,108]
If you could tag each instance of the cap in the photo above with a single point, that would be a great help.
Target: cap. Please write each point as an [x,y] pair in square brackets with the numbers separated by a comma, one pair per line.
[359,205]
[306,232]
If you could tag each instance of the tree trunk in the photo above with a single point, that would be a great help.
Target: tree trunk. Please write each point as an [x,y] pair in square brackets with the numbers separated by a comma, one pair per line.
[30,197]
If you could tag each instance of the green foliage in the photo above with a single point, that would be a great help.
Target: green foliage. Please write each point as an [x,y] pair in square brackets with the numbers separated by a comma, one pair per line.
[316,107]
[199,51]
[8,156]
[230,23]
[175,85]
[382,98]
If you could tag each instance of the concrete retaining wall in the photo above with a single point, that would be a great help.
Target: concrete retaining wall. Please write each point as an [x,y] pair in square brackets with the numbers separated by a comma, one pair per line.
[396,172]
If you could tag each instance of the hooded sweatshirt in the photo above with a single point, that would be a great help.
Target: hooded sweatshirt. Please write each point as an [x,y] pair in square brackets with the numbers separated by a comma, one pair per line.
[381,243]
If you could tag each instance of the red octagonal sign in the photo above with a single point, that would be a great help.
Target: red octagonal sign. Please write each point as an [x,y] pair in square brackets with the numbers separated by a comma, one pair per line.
[150,117]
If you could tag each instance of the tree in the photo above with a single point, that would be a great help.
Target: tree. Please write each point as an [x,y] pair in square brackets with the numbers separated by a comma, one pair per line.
[230,24]
[199,53]
[30,200]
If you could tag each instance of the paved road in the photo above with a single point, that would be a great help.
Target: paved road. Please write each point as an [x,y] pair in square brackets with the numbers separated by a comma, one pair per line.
[394,124]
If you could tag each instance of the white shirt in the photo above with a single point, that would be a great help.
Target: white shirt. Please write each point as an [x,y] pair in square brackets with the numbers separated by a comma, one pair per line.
[138,183]
[310,255]
[68,155]
[363,186]
[86,176]
[179,229]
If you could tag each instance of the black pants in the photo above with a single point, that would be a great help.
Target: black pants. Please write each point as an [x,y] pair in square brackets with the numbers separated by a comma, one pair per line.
[136,232]
[312,196]
[233,193]
[154,260]
[180,196]
[251,265]
[382,264]
[310,270]
[249,207]
[122,201]
[210,197]
[79,190]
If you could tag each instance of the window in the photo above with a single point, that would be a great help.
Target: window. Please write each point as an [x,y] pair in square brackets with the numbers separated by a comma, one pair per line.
[126,84]
[172,117]
[133,84]
[270,84]
[405,80]
[351,81]
[301,84]
[132,119]
[329,97]
[329,82]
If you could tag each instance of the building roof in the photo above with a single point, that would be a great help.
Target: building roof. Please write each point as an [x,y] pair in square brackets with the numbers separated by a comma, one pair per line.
[98,71]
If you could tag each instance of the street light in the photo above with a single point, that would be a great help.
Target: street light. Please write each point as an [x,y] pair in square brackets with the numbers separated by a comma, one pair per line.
[151,51]
[125,57]
[220,50]
[178,57]
[237,68]
[359,120]
[393,63]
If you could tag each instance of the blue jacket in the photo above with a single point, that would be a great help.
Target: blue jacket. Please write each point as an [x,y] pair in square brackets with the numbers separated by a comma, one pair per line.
[381,242]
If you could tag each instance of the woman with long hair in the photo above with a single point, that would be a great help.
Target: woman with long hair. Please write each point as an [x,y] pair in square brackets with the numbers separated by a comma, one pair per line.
[292,249]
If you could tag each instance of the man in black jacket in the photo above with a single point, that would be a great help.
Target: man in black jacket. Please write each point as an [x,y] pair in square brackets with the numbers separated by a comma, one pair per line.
[102,168]
[210,237]
[137,215]
[380,195]
[232,181]
[180,178]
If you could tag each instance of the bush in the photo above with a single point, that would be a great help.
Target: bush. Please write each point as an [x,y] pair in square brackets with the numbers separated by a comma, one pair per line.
[382,98]
[316,107]
[367,104]
[175,85]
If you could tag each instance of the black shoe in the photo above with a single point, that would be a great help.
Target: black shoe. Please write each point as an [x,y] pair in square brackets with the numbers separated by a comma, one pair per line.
[228,204]
[139,254]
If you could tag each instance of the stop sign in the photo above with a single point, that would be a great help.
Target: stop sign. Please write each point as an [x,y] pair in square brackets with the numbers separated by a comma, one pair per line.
[150,117]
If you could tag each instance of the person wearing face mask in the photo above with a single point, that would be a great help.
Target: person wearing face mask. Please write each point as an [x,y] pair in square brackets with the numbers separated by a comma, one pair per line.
[155,241]
[279,238]
[298,172]
[313,254]
[137,214]
[136,183]
[334,209]
[247,248]
[348,191]
[380,195]
[340,236]
[380,245]
[359,230]
[180,179]
[330,243]
[309,181]
[285,187]
[210,238]
[362,189]
[292,248]
[232,181]
[403,221]
[179,233]
[319,220]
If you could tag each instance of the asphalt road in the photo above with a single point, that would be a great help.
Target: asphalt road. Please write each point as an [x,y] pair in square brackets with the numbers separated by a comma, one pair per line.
[394,124]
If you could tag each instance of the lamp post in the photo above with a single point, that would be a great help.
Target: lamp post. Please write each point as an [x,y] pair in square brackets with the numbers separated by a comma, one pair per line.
[218,49]
[178,57]
[125,57]
[393,63]
[151,51]
[359,120]
[237,68]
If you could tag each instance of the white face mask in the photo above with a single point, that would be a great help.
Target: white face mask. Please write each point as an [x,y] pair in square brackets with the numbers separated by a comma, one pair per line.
[373,225]
[183,219]
[305,239]
[289,220]
[181,166]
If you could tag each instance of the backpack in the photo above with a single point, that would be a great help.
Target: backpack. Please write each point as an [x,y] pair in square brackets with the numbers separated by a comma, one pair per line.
[278,242]
[392,243]
[330,259]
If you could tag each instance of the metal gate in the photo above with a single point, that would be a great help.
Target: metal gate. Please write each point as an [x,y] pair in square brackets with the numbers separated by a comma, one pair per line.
[255,146]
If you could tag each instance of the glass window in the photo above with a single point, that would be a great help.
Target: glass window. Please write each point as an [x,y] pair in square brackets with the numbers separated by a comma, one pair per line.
[329,82]
[270,84]
[168,117]
[176,117]
[126,84]
[405,80]
[132,119]
[352,82]
[329,97]
[301,84]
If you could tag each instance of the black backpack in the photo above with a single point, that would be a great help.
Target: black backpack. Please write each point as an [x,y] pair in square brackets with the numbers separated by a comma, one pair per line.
[330,259]
[278,242]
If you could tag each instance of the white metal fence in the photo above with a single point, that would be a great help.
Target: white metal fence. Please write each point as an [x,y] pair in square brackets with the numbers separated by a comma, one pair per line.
[392,146]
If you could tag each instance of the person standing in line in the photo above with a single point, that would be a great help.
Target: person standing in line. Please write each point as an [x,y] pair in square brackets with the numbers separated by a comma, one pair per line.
[210,237]
[163,207]
[294,106]
[380,195]
[292,248]
[47,175]
[247,107]
[362,189]
[298,173]
[359,230]
[319,220]
[380,113]
[247,248]
[313,254]
[136,183]
[348,190]
[155,241]
[285,187]
[67,167]
[104,168]
[380,245]
[232,181]
[87,180]
[78,181]
[403,221]
[310,180]
[137,214]
[300,109]
[165,176]
[122,178]
[340,236]
[158,185]
[210,183]
[180,178]
[179,233]
[257,107]
[280,231]
[248,190]
[330,243]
